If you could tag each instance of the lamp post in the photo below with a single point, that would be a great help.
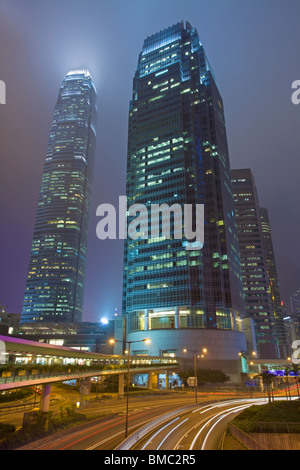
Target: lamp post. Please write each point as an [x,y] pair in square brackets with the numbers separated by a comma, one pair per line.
[112,341]
[195,351]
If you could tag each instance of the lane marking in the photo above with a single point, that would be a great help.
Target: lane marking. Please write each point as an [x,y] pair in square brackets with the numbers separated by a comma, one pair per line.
[113,422]
[152,437]
[209,408]
[211,419]
[220,419]
[171,433]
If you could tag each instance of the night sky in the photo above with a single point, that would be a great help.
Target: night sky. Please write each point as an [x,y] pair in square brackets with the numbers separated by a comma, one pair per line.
[253,47]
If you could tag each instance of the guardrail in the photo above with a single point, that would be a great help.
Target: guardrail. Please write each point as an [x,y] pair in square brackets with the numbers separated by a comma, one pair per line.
[4,409]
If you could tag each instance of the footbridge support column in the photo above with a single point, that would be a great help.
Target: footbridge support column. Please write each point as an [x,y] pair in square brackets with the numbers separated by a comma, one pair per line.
[45,398]
[121,385]
[152,380]
[167,386]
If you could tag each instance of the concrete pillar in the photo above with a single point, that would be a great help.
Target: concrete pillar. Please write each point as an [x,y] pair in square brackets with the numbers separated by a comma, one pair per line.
[84,386]
[45,398]
[48,361]
[177,324]
[233,320]
[149,380]
[167,380]
[121,385]
[146,320]
[154,380]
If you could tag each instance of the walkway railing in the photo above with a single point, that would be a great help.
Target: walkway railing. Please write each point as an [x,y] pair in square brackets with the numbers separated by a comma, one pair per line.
[46,375]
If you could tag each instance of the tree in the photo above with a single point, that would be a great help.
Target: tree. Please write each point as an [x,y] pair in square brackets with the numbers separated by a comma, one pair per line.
[267,379]
[286,373]
[295,369]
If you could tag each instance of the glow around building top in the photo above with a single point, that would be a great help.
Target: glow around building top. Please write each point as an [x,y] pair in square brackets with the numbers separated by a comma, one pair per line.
[84,72]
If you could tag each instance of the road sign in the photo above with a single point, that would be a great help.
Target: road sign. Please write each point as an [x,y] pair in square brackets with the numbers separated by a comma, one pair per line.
[251,383]
[192,381]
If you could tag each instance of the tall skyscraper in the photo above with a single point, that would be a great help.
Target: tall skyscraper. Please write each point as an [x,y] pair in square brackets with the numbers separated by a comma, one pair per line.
[177,154]
[258,298]
[274,282]
[295,314]
[295,302]
[56,275]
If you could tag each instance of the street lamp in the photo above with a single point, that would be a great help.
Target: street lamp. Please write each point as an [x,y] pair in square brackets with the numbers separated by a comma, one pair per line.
[195,351]
[112,341]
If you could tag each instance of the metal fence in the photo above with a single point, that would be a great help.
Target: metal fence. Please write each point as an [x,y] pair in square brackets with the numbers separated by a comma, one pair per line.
[269,427]
[247,440]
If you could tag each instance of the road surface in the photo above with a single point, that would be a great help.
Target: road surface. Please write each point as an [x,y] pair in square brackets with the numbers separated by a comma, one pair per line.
[199,429]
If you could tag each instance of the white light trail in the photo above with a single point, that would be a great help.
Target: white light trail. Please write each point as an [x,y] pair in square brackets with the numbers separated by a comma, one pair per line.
[152,437]
[234,409]
[172,430]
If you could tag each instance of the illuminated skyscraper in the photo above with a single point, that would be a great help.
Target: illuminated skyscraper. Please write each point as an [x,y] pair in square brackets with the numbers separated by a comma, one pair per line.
[274,282]
[256,281]
[295,314]
[56,275]
[177,153]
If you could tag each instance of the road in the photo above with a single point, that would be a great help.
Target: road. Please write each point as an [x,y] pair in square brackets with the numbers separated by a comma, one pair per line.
[108,432]
[199,429]
[181,433]
[59,398]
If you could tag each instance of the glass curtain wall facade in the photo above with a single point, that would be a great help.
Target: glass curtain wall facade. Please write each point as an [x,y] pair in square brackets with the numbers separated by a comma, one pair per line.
[177,154]
[295,314]
[257,288]
[274,282]
[56,275]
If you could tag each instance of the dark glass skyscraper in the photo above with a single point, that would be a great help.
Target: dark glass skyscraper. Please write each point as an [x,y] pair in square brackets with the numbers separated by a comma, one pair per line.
[295,315]
[256,281]
[56,275]
[274,282]
[177,153]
